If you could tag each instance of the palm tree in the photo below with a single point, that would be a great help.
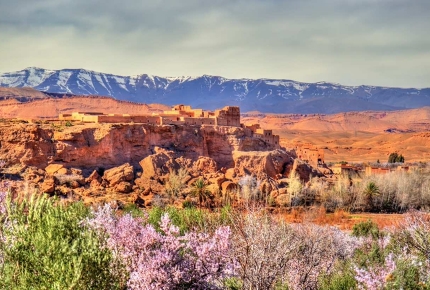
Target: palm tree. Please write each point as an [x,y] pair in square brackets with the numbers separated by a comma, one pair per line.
[200,190]
[369,192]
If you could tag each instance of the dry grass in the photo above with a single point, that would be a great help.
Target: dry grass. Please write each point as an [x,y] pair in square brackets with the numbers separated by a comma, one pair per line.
[340,218]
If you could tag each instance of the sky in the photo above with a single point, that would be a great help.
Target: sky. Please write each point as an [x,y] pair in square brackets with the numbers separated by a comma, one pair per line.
[351,42]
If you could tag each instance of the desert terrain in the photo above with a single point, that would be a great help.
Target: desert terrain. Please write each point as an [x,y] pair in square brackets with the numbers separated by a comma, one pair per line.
[28,103]
[354,136]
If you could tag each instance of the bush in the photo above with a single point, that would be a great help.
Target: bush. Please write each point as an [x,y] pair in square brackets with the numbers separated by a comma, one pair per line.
[366,229]
[342,279]
[186,219]
[45,247]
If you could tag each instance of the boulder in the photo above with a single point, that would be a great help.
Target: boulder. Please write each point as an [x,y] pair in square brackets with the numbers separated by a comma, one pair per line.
[124,187]
[204,165]
[229,186]
[119,174]
[48,185]
[218,180]
[156,165]
[148,185]
[34,175]
[76,171]
[230,174]
[93,176]
[262,164]
[52,169]
[304,170]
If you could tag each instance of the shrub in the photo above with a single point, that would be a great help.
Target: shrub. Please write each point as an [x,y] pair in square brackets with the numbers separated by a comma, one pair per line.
[175,183]
[133,210]
[366,229]
[249,189]
[185,219]
[46,247]
[342,278]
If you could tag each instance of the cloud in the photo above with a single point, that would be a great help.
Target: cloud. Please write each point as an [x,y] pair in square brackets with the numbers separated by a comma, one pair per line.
[379,42]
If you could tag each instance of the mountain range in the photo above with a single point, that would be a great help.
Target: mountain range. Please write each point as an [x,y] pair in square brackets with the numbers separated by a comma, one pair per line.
[211,92]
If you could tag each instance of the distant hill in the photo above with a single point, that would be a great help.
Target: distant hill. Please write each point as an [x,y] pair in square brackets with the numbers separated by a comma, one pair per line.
[31,104]
[211,92]
[403,121]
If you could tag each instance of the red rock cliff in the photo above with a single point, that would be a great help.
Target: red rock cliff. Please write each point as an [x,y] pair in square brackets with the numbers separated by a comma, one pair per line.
[109,145]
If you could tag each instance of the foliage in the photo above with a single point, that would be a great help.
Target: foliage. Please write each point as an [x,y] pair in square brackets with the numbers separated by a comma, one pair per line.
[263,249]
[175,183]
[396,158]
[249,189]
[271,253]
[45,247]
[199,189]
[371,190]
[133,210]
[376,277]
[186,219]
[343,278]
[366,229]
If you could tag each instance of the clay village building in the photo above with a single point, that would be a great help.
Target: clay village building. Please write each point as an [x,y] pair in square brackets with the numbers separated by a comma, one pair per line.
[383,170]
[180,115]
[310,154]
[344,169]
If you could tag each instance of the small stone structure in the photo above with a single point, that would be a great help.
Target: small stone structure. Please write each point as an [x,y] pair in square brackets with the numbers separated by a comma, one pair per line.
[310,154]
[340,169]
[265,135]
[180,115]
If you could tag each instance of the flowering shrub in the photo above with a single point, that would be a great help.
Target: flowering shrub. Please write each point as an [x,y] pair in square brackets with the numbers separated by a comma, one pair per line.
[318,250]
[3,195]
[376,277]
[165,259]
[270,252]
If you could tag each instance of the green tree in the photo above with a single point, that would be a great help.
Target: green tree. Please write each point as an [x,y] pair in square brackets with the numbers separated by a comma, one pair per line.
[393,157]
[370,192]
[200,190]
[400,159]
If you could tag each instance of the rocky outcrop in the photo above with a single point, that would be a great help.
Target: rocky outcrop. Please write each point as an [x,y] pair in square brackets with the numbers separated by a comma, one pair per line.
[304,170]
[134,162]
[88,146]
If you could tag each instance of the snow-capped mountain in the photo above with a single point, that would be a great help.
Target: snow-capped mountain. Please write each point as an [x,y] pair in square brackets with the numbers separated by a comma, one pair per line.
[210,92]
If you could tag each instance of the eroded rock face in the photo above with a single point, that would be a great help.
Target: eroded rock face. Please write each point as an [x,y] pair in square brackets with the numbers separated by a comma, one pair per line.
[113,152]
[89,146]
